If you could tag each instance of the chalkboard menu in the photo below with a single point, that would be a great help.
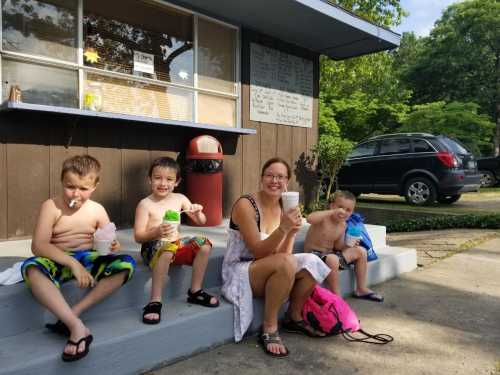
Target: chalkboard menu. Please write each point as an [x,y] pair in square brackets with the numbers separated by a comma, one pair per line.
[281,87]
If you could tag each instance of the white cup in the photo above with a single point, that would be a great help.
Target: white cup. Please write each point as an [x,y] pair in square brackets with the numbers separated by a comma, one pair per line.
[103,247]
[175,224]
[290,199]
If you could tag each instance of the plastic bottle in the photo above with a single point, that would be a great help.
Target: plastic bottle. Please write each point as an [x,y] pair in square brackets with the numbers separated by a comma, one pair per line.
[352,235]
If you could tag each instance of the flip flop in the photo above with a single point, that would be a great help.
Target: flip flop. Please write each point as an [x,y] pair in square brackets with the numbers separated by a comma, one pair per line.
[75,357]
[58,327]
[301,327]
[372,296]
[267,338]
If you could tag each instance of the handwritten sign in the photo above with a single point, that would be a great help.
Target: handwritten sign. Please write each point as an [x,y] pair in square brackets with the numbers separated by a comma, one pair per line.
[281,87]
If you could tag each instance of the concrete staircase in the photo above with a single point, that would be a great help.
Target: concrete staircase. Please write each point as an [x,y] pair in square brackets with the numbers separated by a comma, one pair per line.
[122,344]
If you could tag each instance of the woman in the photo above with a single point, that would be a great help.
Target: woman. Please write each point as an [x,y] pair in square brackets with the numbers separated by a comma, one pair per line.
[259,261]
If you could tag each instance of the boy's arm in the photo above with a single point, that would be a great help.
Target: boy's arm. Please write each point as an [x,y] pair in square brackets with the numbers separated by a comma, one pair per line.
[41,243]
[141,234]
[194,211]
[318,216]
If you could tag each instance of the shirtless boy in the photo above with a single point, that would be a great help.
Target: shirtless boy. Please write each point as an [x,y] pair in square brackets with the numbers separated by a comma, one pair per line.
[161,243]
[62,245]
[325,238]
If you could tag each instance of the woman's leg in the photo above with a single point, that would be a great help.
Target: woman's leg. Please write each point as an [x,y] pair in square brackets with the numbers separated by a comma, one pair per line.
[272,277]
[302,289]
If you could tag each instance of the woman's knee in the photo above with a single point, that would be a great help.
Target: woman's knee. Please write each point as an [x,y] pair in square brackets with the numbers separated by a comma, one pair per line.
[286,263]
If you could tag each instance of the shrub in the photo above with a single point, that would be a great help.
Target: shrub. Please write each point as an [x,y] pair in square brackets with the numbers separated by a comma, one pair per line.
[474,221]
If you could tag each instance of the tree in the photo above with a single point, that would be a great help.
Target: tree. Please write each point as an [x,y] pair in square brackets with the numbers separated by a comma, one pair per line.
[460,60]
[457,120]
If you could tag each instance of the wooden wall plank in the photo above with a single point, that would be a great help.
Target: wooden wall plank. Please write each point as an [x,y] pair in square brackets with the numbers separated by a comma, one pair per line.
[67,139]
[268,140]
[233,179]
[104,145]
[135,164]
[299,144]
[28,171]
[3,182]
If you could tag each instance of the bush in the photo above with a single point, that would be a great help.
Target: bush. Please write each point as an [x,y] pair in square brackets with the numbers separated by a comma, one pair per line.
[473,221]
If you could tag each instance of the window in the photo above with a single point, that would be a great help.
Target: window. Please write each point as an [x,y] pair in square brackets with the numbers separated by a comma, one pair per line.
[45,28]
[394,146]
[138,38]
[365,149]
[146,58]
[421,145]
[40,84]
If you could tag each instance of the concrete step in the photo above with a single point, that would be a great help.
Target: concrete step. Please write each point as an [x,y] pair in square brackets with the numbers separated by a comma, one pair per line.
[123,345]
[18,307]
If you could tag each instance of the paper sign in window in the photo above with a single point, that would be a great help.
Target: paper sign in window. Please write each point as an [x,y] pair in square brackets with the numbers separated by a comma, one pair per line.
[144,62]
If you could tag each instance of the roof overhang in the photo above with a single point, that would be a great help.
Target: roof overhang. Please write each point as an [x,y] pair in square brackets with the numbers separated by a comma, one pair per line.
[316,25]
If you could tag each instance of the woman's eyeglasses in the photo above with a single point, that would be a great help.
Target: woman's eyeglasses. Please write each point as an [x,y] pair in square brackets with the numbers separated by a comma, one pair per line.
[277,177]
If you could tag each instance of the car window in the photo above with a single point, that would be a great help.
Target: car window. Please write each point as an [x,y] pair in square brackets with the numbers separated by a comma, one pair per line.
[454,146]
[421,145]
[394,146]
[364,149]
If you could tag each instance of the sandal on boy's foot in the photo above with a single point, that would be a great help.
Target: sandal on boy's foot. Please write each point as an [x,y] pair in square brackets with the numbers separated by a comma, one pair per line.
[300,326]
[201,298]
[152,308]
[78,355]
[58,327]
[371,296]
[267,338]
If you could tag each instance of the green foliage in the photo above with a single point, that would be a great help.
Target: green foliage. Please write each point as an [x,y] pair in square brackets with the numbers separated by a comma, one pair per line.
[474,221]
[332,152]
[383,12]
[460,60]
[458,120]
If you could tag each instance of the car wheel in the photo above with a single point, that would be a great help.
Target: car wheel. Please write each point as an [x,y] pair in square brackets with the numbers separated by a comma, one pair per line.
[487,179]
[448,199]
[420,191]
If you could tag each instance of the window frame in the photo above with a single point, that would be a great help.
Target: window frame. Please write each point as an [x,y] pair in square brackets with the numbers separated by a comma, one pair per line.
[81,69]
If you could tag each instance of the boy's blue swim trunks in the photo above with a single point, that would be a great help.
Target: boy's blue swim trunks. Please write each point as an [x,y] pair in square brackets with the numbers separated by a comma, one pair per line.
[98,266]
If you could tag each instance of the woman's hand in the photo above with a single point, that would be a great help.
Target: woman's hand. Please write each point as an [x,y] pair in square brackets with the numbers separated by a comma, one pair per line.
[291,221]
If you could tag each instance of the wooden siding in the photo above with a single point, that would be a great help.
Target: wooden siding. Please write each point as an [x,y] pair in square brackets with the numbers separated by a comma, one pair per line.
[34,145]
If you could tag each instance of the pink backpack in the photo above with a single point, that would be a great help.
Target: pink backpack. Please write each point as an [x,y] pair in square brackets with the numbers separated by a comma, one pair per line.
[329,313]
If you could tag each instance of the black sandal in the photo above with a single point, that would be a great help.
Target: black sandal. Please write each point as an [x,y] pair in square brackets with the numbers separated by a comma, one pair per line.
[78,355]
[58,327]
[267,338]
[300,326]
[201,298]
[152,308]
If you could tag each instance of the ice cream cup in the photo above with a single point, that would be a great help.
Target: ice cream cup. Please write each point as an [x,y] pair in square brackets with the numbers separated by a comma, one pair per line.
[289,199]
[175,224]
[103,247]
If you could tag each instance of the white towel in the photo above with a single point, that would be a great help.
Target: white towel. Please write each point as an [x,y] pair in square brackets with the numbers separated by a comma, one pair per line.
[11,275]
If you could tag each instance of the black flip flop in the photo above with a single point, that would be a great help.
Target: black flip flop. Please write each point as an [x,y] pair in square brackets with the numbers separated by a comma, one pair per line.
[372,296]
[75,357]
[58,327]
[201,298]
[266,338]
[152,308]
